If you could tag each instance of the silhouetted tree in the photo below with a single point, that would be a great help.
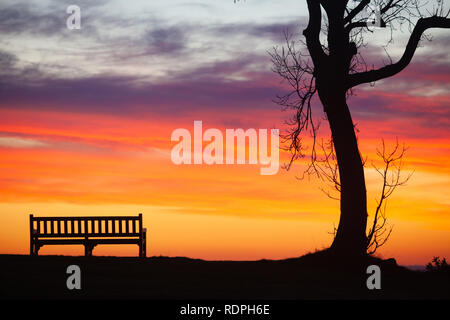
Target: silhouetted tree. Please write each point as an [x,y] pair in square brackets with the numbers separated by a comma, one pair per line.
[332,67]
[438,265]
[379,231]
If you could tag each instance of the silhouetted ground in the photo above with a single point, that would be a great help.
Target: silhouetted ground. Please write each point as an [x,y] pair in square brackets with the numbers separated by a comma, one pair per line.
[313,276]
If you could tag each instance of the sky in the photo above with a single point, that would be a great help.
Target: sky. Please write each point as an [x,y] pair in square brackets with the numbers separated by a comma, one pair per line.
[86,118]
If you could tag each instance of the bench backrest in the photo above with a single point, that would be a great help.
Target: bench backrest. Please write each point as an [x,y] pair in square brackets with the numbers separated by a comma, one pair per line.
[59,227]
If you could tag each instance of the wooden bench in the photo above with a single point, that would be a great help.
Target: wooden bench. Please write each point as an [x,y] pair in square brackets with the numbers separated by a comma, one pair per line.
[87,231]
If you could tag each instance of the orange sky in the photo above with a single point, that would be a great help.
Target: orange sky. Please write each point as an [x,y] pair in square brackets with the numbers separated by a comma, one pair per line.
[86,118]
[106,165]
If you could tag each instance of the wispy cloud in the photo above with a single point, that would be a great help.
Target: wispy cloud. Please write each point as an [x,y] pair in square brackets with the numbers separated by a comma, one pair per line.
[17,142]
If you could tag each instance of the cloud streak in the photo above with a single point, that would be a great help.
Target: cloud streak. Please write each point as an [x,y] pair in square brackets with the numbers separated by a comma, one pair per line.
[17,142]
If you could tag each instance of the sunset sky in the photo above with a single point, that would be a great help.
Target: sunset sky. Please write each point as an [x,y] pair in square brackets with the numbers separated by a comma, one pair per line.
[86,118]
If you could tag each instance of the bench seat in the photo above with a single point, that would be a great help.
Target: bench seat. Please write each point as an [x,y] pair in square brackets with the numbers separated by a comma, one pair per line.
[87,231]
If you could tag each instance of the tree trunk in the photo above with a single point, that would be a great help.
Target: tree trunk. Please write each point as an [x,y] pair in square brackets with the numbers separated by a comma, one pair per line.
[351,237]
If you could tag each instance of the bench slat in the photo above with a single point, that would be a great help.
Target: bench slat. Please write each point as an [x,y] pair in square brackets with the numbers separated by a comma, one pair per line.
[89,235]
[87,226]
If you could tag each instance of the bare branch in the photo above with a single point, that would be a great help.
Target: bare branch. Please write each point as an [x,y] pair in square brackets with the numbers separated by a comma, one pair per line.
[356,10]
[378,234]
[312,32]
[392,69]
[297,70]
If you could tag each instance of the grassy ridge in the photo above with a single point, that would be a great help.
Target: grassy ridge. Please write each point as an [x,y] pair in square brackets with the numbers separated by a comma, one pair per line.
[313,276]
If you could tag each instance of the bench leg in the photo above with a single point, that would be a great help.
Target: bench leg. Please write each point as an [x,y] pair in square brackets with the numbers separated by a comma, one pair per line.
[88,248]
[143,245]
[31,247]
[141,250]
[34,247]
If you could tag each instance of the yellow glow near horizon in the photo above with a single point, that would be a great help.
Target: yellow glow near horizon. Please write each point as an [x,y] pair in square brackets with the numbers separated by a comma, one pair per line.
[203,211]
